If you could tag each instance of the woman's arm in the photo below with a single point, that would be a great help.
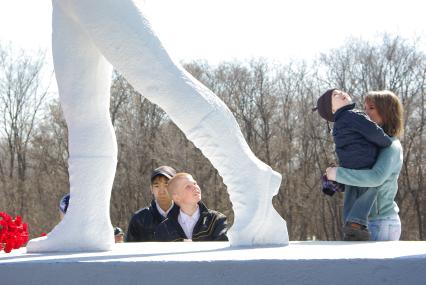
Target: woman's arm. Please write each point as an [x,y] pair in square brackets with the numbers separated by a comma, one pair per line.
[386,162]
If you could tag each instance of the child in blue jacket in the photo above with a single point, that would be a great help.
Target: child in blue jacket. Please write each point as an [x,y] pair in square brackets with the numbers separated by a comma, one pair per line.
[357,141]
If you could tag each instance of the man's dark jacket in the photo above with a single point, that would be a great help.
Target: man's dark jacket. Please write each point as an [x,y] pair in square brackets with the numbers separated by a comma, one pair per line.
[144,223]
[357,138]
[211,226]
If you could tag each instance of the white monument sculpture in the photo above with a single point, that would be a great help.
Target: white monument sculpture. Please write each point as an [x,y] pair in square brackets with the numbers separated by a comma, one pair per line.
[91,36]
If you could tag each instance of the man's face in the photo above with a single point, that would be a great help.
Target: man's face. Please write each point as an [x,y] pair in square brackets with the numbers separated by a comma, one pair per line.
[188,192]
[159,189]
[339,99]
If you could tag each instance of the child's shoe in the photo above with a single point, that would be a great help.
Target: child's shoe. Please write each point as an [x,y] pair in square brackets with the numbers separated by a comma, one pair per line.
[355,232]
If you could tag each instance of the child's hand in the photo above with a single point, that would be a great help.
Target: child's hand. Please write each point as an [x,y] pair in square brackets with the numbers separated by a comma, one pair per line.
[331,173]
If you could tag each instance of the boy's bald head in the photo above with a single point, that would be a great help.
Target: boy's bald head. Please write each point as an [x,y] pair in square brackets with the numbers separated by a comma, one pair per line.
[184,190]
[174,183]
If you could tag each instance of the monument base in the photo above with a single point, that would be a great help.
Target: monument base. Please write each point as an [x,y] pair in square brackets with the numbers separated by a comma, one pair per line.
[309,262]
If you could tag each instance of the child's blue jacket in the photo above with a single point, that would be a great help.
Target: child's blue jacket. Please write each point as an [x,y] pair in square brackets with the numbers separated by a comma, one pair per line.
[357,139]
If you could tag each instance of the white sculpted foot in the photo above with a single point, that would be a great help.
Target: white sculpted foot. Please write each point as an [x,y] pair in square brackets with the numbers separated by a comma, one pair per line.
[251,183]
[256,220]
[86,225]
[73,235]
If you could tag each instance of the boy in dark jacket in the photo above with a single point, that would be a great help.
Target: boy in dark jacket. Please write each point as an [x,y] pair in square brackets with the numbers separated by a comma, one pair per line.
[192,221]
[357,140]
[144,222]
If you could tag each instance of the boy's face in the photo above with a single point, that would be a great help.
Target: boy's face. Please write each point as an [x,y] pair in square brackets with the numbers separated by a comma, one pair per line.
[159,190]
[188,191]
[339,99]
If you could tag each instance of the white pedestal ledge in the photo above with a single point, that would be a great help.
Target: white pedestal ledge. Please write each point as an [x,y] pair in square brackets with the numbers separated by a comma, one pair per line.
[316,262]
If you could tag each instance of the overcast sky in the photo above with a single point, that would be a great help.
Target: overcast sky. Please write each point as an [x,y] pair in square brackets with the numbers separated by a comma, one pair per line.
[218,30]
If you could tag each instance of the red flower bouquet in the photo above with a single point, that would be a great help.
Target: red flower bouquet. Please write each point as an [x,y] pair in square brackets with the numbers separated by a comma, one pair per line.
[13,233]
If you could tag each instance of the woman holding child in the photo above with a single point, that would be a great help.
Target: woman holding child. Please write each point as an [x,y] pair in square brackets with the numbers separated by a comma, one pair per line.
[385,109]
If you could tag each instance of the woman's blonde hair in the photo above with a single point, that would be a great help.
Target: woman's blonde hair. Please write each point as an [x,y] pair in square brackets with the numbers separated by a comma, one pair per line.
[390,110]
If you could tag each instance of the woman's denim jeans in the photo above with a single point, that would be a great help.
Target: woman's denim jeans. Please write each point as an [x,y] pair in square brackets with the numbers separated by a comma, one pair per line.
[383,229]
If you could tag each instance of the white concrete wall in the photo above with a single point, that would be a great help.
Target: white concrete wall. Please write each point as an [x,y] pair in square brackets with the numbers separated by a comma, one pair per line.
[217,263]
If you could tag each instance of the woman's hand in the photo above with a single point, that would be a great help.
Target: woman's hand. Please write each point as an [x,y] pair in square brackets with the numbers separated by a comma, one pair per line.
[331,173]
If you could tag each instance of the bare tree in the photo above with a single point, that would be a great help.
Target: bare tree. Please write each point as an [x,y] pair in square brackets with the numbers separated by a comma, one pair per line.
[21,98]
[273,106]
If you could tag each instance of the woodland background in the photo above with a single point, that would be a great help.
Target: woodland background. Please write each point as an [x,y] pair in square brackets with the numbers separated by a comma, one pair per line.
[272,103]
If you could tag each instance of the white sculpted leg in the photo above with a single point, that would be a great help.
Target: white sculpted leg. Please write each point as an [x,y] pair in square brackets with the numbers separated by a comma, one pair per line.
[84,80]
[123,35]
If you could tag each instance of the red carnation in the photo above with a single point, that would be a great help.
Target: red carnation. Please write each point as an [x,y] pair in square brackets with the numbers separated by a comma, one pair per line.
[13,233]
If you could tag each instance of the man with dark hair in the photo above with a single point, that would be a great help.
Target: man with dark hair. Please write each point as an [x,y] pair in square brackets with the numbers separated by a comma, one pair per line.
[144,222]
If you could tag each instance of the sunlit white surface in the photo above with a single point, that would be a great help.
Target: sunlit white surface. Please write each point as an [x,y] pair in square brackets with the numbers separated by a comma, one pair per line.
[308,262]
